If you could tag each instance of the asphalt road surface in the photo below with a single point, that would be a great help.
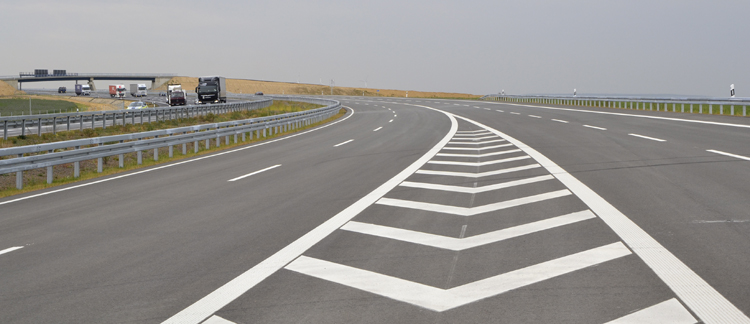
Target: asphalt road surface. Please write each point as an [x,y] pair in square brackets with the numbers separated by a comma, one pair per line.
[406,211]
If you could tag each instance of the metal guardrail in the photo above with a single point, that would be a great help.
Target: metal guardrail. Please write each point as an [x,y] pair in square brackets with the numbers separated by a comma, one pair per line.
[74,151]
[724,106]
[38,121]
[86,75]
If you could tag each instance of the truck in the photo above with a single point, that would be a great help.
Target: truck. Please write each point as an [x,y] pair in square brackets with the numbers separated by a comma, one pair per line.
[211,89]
[175,95]
[83,90]
[138,90]
[117,90]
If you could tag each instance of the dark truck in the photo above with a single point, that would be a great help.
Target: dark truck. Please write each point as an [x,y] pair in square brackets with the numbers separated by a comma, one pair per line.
[212,89]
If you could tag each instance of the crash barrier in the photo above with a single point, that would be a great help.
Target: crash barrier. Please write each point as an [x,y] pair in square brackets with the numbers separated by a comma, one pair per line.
[100,119]
[712,106]
[32,157]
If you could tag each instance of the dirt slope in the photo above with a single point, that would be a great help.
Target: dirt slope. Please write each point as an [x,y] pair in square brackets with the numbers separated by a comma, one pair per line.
[6,89]
[268,87]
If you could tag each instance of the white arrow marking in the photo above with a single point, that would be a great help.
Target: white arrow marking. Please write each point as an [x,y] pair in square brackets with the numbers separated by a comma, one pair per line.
[473,190]
[478,164]
[478,155]
[479,175]
[478,143]
[477,148]
[460,244]
[670,311]
[472,211]
[439,300]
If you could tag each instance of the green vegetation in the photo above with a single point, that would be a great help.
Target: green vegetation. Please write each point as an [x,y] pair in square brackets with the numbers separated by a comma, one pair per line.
[278,107]
[20,106]
[63,174]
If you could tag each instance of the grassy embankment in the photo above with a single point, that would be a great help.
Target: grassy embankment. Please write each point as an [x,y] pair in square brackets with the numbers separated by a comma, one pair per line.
[15,105]
[63,174]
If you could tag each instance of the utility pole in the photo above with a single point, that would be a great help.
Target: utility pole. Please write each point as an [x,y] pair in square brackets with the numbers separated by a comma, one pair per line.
[333,83]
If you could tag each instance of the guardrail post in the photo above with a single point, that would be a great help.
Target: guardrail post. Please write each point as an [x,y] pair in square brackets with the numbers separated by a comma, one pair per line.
[195,147]
[235,137]
[140,157]
[5,130]
[184,148]
[171,149]
[93,118]
[682,109]
[156,152]
[81,122]
[710,109]
[243,136]
[68,123]
[19,177]
[264,132]
[732,112]
[208,143]
[77,167]
[99,163]
[744,110]
[39,127]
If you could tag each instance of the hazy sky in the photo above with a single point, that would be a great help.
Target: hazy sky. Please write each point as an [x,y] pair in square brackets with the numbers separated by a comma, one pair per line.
[479,47]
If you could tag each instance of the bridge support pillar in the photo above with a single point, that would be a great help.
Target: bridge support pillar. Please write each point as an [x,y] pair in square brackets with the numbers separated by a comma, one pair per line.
[158,82]
[91,84]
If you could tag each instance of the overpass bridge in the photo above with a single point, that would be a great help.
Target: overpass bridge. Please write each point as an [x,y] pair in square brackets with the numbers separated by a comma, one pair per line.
[157,79]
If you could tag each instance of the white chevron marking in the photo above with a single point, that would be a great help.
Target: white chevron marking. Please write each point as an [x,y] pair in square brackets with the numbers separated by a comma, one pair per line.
[470,136]
[458,244]
[473,190]
[476,148]
[478,155]
[478,143]
[670,311]
[475,139]
[478,164]
[471,211]
[470,132]
[478,175]
[439,300]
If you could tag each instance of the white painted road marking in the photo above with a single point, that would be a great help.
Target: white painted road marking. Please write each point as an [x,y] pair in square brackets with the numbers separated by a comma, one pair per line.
[440,300]
[468,136]
[535,116]
[670,311]
[233,289]
[730,154]
[560,121]
[11,249]
[499,110]
[390,121]
[479,175]
[649,138]
[710,306]
[254,173]
[487,109]
[473,139]
[515,113]
[377,129]
[479,143]
[479,164]
[474,190]
[472,131]
[342,143]
[478,155]
[217,320]
[472,211]
[476,148]
[594,127]
[460,244]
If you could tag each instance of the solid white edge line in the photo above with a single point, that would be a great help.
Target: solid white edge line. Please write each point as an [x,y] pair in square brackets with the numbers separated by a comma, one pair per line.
[648,138]
[730,154]
[181,162]
[254,173]
[233,289]
[342,143]
[11,249]
[594,127]
[700,297]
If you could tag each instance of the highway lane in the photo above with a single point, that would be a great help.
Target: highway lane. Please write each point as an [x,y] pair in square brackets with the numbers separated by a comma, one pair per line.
[153,259]
[141,248]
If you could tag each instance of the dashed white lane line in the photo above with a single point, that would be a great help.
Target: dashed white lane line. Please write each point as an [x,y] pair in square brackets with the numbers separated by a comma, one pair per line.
[514,113]
[11,249]
[377,129]
[254,173]
[670,311]
[499,110]
[535,116]
[390,121]
[342,143]
[476,107]
[487,109]
[594,127]
[730,154]
[560,121]
[648,138]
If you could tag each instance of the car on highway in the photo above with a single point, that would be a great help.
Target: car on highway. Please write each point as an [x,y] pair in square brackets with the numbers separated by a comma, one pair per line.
[137,105]
[162,94]
[62,90]
[259,93]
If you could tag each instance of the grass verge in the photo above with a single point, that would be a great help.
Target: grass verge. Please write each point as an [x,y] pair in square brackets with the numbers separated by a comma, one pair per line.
[63,174]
